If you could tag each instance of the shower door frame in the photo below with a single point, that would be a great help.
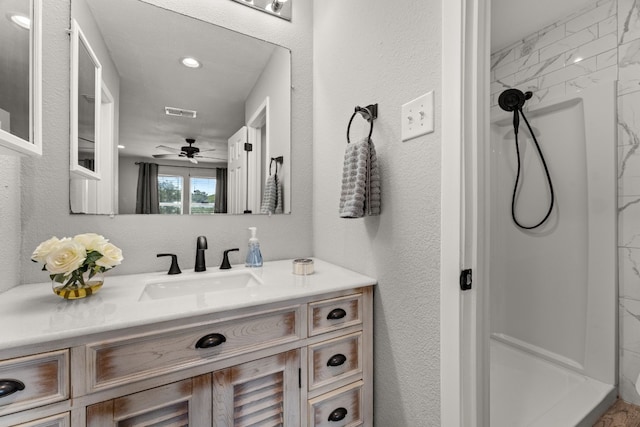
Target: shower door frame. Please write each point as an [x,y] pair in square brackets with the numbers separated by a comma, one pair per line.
[464,326]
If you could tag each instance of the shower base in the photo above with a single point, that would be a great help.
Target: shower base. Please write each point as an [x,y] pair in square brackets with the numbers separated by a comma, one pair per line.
[527,391]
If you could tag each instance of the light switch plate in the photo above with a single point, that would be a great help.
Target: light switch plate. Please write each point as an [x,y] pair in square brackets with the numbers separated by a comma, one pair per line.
[417,117]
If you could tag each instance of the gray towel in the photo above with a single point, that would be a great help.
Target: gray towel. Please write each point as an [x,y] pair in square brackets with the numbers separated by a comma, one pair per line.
[270,196]
[279,196]
[360,181]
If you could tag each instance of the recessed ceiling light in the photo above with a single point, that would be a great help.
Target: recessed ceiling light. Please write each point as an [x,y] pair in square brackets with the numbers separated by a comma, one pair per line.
[120,146]
[20,20]
[190,62]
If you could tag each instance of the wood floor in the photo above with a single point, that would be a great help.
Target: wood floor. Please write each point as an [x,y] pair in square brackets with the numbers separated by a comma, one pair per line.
[621,414]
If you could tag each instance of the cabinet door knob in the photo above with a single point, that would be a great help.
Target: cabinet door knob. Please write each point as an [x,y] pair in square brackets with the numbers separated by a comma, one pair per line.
[336,313]
[8,387]
[338,414]
[337,360]
[211,340]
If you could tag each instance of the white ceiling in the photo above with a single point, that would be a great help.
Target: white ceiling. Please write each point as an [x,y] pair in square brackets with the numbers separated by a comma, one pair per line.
[512,20]
[146,43]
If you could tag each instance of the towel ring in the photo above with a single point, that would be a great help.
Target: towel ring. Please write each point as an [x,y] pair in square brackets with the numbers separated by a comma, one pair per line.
[369,113]
[279,159]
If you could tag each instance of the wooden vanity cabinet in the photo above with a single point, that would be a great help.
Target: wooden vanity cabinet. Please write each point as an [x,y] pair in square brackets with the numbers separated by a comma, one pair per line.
[306,362]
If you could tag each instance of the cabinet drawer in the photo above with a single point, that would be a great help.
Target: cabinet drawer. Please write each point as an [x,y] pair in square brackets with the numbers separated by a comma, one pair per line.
[123,360]
[335,360]
[339,408]
[38,380]
[336,313]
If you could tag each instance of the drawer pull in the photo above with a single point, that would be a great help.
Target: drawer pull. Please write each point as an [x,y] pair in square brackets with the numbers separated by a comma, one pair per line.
[8,387]
[336,313]
[338,414]
[211,340]
[337,360]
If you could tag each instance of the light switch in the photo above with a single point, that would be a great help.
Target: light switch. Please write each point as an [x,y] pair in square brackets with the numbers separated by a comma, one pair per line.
[417,117]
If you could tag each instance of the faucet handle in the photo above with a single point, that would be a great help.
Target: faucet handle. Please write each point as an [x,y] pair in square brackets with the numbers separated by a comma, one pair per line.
[174,269]
[225,259]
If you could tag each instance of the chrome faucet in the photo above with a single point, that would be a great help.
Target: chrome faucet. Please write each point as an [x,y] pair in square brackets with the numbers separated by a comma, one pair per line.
[201,246]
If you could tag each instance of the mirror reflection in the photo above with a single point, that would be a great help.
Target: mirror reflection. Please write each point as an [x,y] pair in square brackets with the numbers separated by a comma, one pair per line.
[194,118]
[86,79]
[15,24]
[86,108]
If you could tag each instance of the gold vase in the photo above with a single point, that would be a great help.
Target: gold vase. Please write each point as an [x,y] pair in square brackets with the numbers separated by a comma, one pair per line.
[78,285]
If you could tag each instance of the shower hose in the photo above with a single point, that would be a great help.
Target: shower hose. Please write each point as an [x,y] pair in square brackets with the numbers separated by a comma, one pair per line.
[517,111]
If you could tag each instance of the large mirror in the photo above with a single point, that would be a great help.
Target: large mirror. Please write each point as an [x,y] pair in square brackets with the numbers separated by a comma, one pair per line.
[20,77]
[193,118]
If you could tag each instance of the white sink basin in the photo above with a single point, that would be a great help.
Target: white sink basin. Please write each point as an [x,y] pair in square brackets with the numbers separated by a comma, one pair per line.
[198,283]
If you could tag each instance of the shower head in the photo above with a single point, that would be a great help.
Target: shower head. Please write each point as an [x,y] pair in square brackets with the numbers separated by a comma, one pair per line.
[513,99]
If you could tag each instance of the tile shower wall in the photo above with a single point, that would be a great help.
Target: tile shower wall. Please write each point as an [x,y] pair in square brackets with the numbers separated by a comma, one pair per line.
[597,44]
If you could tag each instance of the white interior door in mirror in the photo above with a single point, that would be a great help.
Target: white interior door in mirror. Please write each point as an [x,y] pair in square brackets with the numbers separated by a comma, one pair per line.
[86,95]
[21,77]
[237,172]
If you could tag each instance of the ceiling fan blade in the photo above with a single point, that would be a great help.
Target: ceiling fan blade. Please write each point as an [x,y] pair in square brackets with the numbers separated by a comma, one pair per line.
[164,156]
[166,148]
[213,158]
[208,149]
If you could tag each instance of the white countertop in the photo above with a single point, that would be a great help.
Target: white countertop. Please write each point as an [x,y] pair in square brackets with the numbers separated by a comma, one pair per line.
[33,314]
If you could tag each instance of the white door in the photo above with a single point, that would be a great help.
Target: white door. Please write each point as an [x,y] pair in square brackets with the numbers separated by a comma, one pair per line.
[237,172]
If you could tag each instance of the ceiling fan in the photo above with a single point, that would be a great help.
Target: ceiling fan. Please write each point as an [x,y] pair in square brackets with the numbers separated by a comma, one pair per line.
[187,151]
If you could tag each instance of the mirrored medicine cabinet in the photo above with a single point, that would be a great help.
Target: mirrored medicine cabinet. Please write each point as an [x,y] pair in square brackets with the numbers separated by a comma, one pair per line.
[172,115]
[21,77]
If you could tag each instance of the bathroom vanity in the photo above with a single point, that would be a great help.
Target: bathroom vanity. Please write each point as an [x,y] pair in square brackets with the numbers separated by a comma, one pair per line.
[266,348]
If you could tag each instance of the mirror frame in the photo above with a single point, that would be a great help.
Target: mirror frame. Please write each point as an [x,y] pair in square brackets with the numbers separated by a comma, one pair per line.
[8,141]
[78,37]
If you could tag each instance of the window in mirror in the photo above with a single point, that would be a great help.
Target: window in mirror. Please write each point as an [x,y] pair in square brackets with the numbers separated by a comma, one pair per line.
[170,194]
[86,96]
[203,195]
[20,77]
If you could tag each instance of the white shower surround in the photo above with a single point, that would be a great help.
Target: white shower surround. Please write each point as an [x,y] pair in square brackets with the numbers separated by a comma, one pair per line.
[612,51]
[553,289]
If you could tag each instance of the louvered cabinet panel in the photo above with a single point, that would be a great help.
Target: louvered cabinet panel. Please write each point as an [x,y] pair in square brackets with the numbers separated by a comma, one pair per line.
[179,404]
[261,393]
[60,420]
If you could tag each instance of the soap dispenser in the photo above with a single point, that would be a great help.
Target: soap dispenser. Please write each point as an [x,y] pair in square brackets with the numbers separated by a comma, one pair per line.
[254,257]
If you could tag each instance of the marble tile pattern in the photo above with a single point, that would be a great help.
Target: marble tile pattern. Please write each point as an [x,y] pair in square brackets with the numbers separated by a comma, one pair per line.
[598,43]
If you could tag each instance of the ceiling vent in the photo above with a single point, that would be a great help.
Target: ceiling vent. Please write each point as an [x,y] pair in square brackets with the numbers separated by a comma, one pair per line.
[180,112]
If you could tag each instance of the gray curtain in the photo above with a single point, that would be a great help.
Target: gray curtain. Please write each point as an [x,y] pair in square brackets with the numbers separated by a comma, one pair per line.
[147,201]
[220,205]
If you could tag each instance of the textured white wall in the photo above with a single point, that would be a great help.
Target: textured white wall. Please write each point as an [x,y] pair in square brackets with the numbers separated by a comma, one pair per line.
[9,222]
[376,52]
[45,195]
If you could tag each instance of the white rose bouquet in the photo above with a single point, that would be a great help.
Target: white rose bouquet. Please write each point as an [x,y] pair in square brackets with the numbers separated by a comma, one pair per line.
[71,262]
